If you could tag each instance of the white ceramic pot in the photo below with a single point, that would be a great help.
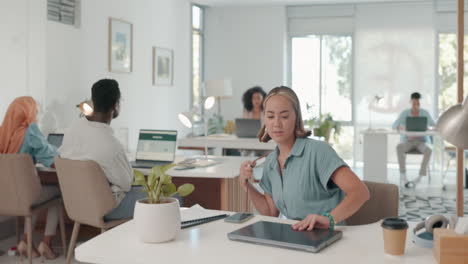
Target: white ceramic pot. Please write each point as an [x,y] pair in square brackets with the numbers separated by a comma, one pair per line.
[157,223]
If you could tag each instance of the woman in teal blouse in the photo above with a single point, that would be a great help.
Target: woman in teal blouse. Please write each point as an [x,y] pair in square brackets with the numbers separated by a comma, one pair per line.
[19,133]
[303,179]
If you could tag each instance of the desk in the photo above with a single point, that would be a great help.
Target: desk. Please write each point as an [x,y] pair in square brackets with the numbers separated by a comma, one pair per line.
[226,142]
[375,151]
[208,243]
[216,187]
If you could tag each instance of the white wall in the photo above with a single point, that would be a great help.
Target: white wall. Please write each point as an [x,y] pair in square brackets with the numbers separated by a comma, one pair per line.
[77,57]
[22,49]
[57,64]
[246,44]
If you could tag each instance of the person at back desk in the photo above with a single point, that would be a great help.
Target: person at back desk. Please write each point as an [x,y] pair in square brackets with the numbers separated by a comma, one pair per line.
[19,133]
[303,179]
[252,99]
[253,102]
[419,143]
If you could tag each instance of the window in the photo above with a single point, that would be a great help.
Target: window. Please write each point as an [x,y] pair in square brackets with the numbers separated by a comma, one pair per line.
[197,56]
[448,70]
[321,75]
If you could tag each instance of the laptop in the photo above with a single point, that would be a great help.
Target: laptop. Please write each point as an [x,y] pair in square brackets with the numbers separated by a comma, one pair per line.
[247,127]
[282,235]
[416,123]
[155,147]
[55,139]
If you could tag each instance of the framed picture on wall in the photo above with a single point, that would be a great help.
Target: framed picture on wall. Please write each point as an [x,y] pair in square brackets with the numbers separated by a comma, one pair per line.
[120,45]
[163,60]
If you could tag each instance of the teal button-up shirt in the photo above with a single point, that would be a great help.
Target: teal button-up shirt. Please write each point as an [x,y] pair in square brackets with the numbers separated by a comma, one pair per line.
[305,187]
[401,121]
[36,145]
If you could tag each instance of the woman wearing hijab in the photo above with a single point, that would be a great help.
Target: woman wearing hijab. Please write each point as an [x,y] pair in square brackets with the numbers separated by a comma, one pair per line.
[19,133]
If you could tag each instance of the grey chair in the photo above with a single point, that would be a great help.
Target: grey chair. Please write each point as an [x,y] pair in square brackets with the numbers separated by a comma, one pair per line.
[20,189]
[383,203]
[87,196]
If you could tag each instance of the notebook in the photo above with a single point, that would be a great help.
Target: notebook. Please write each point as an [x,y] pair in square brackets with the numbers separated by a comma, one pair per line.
[416,123]
[155,147]
[247,128]
[197,215]
[55,139]
[282,235]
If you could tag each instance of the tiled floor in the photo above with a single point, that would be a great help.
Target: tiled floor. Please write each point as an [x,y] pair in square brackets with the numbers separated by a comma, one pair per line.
[5,259]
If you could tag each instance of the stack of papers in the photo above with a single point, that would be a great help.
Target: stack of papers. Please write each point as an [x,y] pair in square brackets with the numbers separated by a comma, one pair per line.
[198,162]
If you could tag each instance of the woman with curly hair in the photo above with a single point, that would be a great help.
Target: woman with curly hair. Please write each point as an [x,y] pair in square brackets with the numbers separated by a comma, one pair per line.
[253,102]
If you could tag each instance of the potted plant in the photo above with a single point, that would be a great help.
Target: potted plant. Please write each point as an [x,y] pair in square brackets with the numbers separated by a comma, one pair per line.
[157,218]
[323,125]
[216,124]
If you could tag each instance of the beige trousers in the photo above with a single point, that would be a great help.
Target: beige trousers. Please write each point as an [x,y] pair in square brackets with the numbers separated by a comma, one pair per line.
[411,145]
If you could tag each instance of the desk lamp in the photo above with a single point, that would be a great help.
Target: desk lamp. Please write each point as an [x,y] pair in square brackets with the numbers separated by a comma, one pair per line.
[186,118]
[86,107]
[219,89]
[453,127]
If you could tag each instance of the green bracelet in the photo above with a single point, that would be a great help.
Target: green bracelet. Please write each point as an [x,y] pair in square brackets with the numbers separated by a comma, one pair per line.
[332,221]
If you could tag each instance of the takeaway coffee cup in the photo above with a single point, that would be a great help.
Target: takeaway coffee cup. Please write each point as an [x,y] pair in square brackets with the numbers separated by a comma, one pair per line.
[394,235]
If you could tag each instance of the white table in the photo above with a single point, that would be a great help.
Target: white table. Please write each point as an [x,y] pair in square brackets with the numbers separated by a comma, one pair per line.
[216,187]
[208,243]
[375,151]
[226,142]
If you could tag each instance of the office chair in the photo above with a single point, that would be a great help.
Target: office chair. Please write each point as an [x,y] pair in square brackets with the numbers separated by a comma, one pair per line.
[383,203]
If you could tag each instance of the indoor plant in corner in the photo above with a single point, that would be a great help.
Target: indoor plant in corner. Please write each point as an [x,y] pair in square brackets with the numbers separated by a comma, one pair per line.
[323,125]
[157,218]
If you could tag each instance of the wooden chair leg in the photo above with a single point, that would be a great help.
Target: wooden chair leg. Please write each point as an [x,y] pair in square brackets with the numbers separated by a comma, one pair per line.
[62,231]
[71,248]
[18,230]
[28,220]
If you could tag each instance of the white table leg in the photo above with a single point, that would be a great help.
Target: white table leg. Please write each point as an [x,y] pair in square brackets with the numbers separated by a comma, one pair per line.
[375,157]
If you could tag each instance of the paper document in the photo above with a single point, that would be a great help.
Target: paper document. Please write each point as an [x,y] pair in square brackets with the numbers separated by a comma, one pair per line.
[198,162]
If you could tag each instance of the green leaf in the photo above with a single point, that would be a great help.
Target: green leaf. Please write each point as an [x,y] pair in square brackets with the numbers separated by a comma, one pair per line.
[169,189]
[165,168]
[156,170]
[185,189]
[151,180]
[139,178]
[152,187]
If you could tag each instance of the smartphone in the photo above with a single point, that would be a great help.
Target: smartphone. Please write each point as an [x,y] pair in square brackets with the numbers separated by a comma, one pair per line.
[238,218]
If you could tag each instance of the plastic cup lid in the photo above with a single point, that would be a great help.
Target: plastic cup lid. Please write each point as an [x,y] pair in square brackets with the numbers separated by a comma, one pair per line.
[395,223]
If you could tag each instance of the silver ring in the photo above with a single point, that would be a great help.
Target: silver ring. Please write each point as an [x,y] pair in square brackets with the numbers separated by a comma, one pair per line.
[248,165]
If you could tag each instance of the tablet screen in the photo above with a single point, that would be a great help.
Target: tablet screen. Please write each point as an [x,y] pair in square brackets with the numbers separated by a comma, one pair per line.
[279,234]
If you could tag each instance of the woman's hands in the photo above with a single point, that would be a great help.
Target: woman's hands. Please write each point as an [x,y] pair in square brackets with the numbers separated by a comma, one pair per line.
[312,221]
[246,172]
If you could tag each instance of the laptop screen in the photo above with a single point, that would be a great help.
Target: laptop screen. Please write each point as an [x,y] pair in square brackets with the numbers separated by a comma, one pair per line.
[156,145]
[416,123]
[55,139]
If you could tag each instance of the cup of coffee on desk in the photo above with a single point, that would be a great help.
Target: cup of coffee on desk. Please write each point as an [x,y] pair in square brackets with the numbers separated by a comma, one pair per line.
[394,235]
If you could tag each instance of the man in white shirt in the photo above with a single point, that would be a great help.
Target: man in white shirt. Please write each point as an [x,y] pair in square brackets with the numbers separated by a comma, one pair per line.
[92,138]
